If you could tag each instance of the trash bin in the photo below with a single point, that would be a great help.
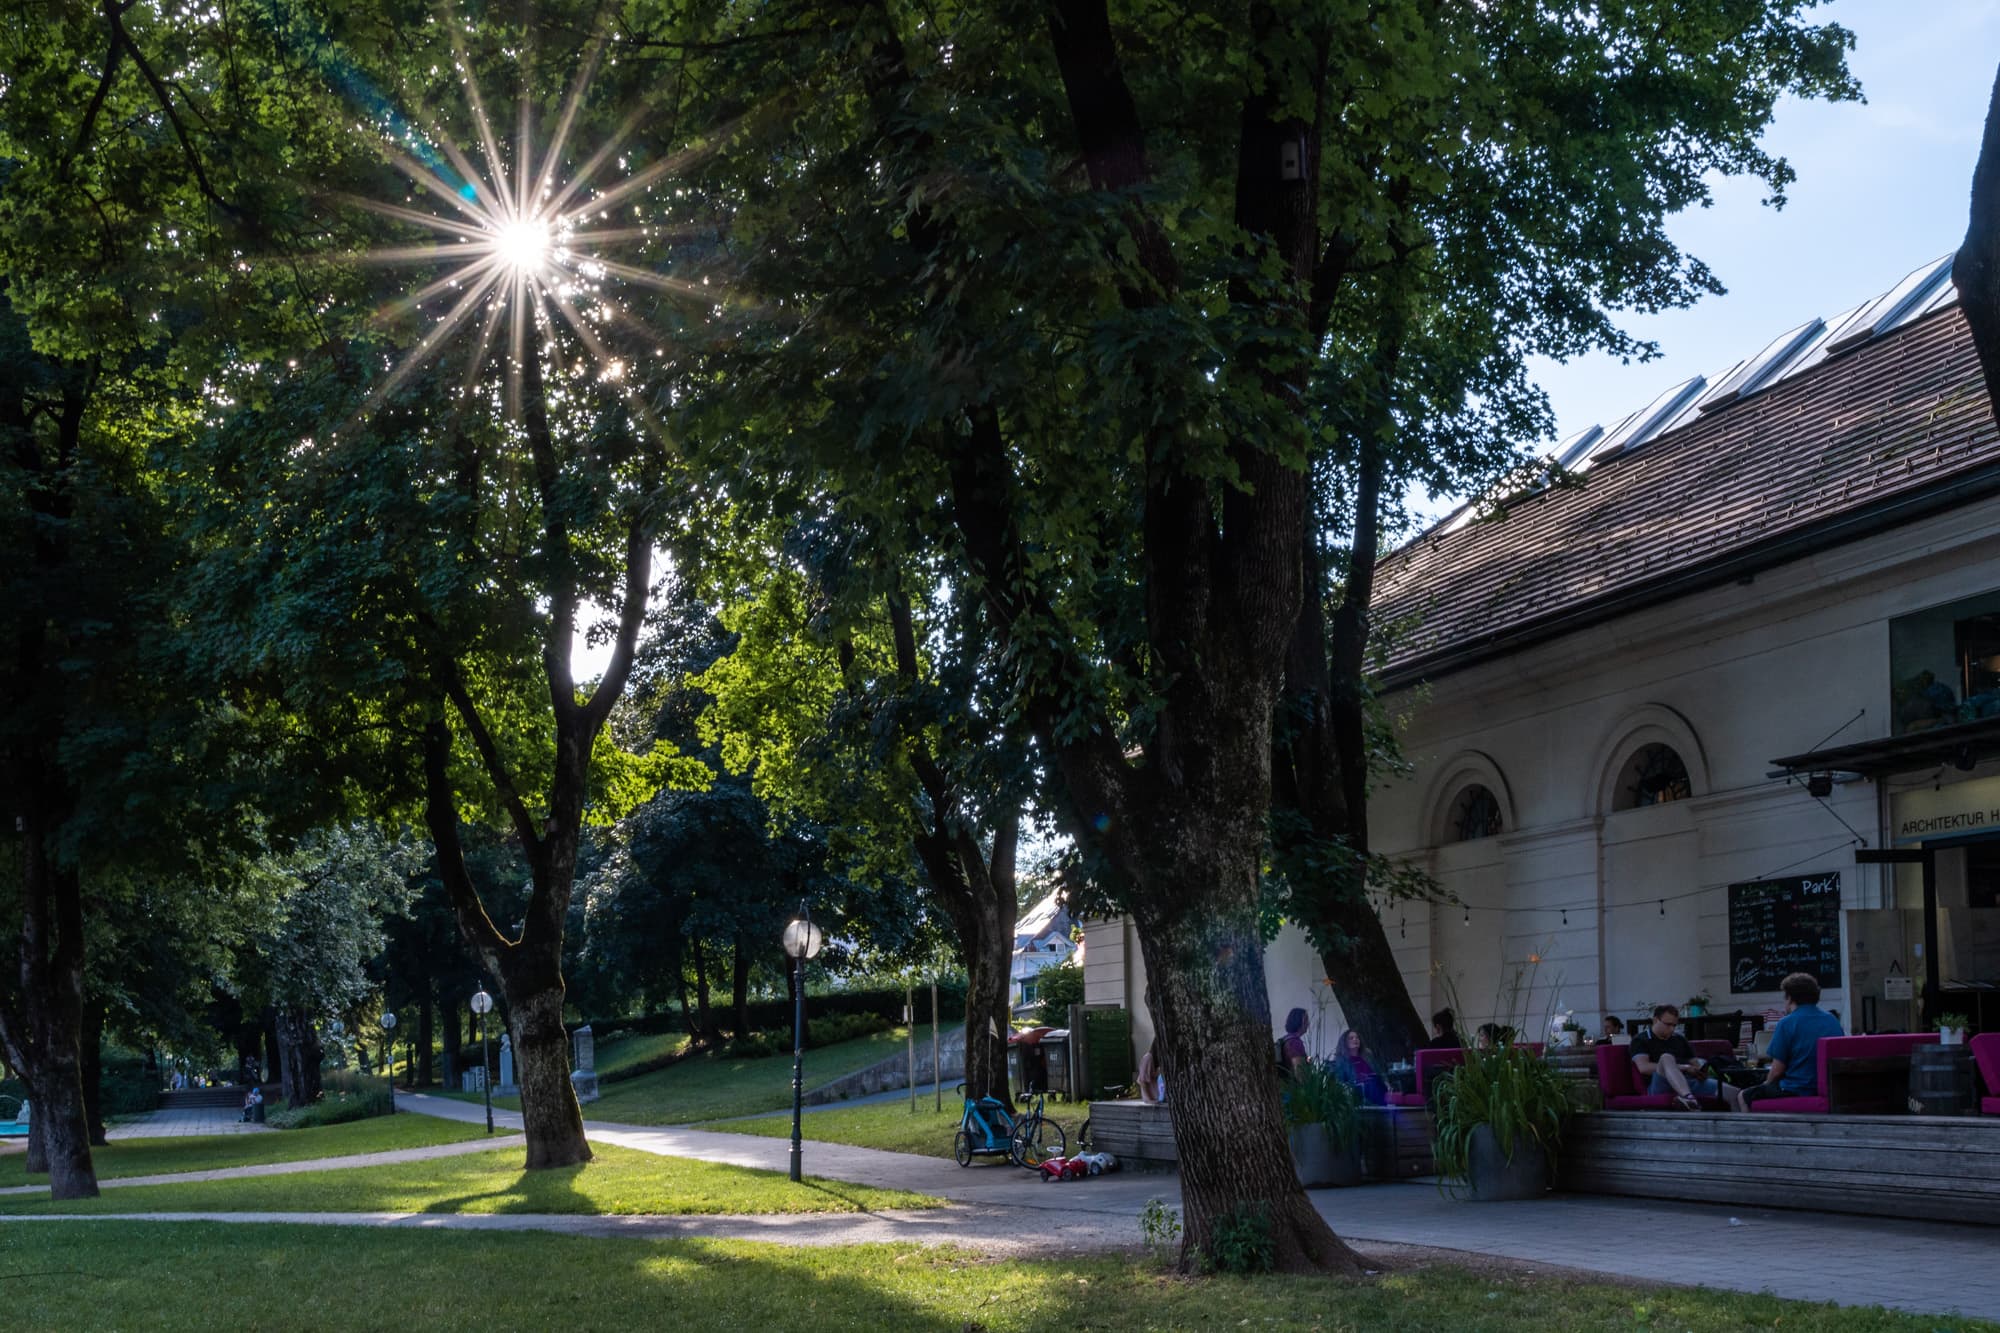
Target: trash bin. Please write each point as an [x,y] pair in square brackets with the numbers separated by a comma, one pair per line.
[1054,1047]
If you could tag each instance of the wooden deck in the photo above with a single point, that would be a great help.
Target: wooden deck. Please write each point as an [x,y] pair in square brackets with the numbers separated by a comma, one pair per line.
[1395,1140]
[1134,1131]
[1937,1168]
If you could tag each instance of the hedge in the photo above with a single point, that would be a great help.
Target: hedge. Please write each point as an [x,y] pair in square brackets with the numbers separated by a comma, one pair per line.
[882,1003]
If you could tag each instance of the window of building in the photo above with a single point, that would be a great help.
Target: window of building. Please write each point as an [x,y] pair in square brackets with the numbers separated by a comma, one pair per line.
[1029,989]
[1944,664]
[1653,776]
[1474,814]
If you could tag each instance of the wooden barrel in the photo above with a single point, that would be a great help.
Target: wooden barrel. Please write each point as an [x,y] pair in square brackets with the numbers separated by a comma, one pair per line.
[1941,1080]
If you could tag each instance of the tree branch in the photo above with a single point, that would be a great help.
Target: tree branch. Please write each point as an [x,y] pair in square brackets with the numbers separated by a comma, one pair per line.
[441,814]
[632,616]
[166,101]
[491,758]
[1976,269]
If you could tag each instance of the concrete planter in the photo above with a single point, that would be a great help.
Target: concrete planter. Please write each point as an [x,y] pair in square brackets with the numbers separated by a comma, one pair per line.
[1320,1162]
[1494,1178]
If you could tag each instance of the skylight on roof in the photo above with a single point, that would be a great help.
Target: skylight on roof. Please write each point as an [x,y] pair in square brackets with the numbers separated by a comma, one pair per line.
[1891,308]
[1650,420]
[1750,375]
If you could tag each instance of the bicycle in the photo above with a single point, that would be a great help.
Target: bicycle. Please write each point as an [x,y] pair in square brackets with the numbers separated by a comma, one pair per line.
[1035,1137]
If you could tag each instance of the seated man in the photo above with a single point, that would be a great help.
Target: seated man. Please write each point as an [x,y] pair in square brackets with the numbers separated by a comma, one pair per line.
[1794,1048]
[1444,1032]
[1664,1060]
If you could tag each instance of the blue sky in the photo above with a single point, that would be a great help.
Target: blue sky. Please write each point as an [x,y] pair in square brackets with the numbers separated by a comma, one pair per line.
[1882,188]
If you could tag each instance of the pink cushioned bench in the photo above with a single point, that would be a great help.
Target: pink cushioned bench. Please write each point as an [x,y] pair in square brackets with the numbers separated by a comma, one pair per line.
[1618,1080]
[1986,1054]
[1429,1064]
[1883,1045]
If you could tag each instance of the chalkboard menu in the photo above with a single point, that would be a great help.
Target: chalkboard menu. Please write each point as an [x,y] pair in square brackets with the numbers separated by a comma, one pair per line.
[1781,926]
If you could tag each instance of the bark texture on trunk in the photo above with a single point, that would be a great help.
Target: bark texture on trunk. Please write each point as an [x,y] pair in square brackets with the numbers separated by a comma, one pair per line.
[549,1112]
[1976,270]
[90,1054]
[426,1073]
[299,1056]
[739,991]
[702,1014]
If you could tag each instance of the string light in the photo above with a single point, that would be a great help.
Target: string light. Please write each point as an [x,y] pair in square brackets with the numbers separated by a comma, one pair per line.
[1403,927]
[1565,916]
[1468,916]
[1663,907]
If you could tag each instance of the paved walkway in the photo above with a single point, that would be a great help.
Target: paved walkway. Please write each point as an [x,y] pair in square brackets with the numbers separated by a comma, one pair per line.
[1930,1267]
[386,1158]
[185,1122]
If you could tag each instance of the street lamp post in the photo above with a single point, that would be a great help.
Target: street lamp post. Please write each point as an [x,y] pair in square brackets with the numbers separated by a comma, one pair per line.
[482,1005]
[802,941]
[389,1055]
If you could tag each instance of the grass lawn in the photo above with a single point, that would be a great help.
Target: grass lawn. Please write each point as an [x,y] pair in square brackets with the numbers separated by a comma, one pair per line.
[207,1152]
[619,1180]
[886,1125]
[714,1087]
[621,1053]
[200,1276]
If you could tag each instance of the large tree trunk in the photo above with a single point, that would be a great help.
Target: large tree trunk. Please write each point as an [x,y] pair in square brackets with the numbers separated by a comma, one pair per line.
[91,1064]
[60,1115]
[702,1014]
[454,1051]
[42,1025]
[1976,270]
[982,915]
[426,1034]
[1323,786]
[549,1112]
[299,1056]
[36,1162]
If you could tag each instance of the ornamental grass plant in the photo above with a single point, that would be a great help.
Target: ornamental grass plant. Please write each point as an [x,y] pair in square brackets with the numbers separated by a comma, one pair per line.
[1512,1090]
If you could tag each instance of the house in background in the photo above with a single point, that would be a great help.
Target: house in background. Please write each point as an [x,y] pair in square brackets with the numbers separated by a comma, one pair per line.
[1041,941]
[1653,716]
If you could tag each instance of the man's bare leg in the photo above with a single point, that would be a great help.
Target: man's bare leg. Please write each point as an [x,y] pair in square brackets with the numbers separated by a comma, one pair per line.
[1669,1069]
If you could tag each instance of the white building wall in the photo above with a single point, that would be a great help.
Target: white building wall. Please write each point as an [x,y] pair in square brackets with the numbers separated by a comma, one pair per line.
[1578,905]
[1731,677]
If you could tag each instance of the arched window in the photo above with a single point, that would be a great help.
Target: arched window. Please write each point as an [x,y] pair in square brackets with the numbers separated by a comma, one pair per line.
[1475,813]
[1653,775]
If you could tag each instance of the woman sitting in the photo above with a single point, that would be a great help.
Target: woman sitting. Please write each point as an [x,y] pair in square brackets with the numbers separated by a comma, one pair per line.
[1353,1067]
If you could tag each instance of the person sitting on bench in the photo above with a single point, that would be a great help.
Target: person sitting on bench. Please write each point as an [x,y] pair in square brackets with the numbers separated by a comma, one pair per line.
[1664,1059]
[1794,1048]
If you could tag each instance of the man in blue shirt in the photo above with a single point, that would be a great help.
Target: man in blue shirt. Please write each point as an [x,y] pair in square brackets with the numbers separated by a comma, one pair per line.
[1794,1049]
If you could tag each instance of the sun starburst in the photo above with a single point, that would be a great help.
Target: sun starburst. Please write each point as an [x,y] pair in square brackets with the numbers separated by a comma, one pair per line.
[523,243]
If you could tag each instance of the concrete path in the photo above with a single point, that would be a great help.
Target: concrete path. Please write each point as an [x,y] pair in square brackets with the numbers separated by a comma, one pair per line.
[1929,1267]
[184,1122]
[1936,1268]
[386,1158]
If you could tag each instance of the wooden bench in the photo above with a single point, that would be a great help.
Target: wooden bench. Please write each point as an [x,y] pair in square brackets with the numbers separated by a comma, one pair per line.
[1395,1142]
[1937,1168]
[1134,1131]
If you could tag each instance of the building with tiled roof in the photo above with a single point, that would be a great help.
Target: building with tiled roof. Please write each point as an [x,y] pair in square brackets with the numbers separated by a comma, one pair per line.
[1657,706]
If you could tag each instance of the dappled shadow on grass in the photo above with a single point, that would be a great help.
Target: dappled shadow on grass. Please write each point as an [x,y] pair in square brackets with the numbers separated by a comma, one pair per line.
[202,1275]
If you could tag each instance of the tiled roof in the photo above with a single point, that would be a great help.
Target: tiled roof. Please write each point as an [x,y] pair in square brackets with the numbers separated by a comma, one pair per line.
[1871,435]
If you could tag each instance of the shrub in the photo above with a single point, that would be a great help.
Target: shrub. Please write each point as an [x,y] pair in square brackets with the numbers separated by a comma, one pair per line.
[822,1031]
[1058,987]
[885,1003]
[1241,1242]
[124,1083]
[345,1095]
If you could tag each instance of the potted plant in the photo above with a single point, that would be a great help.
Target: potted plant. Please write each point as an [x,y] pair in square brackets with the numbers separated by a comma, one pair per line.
[1697,1004]
[1323,1117]
[1951,1029]
[1497,1122]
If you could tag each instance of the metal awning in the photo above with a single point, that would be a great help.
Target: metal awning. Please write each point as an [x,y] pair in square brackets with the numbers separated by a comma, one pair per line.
[1962,745]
